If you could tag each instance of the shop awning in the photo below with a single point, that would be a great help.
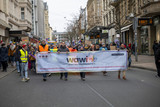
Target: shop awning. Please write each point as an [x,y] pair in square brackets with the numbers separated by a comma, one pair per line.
[4,24]
[18,33]
[126,28]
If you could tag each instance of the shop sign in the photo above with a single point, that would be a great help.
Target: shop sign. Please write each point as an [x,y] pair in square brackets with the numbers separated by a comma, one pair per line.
[104,31]
[145,21]
[25,39]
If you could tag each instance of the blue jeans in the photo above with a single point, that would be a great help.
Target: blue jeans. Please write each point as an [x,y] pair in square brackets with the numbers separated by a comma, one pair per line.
[65,74]
[18,66]
[33,65]
[44,75]
[24,69]
[12,58]
[82,74]
[129,60]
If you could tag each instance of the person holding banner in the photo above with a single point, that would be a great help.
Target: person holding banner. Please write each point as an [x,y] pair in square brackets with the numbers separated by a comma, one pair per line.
[103,48]
[63,48]
[44,48]
[124,72]
[82,74]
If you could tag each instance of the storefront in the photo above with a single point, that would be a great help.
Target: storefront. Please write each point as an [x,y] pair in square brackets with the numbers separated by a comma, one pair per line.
[144,40]
[16,36]
[127,36]
[98,34]
[156,21]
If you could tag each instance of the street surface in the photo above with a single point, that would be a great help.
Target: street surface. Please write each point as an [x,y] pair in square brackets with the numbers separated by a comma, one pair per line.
[141,89]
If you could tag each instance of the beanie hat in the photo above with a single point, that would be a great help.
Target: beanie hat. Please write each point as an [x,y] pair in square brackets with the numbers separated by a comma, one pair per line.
[24,46]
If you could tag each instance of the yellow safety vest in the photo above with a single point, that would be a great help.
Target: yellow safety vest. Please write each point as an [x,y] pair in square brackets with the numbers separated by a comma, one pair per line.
[53,50]
[23,56]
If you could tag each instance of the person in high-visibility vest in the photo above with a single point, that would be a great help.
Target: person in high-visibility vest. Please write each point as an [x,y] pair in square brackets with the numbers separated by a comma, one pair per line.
[23,58]
[44,48]
[53,48]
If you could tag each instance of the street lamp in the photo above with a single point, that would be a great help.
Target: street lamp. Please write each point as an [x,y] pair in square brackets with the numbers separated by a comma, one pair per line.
[135,25]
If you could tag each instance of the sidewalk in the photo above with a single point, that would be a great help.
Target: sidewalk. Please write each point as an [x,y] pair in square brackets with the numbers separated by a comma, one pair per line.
[9,70]
[144,62]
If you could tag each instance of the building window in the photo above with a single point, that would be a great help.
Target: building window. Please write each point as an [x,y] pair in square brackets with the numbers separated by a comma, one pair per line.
[22,13]
[104,5]
[107,19]
[113,15]
[110,17]
[98,7]
[104,21]
[5,5]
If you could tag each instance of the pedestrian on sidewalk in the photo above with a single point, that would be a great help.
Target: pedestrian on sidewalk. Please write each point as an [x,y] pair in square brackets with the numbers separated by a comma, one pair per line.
[133,49]
[23,58]
[19,47]
[155,47]
[158,61]
[44,48]
[124,72]
[63,48]
[11,53]
[4,57]
[0,48]
[129,57]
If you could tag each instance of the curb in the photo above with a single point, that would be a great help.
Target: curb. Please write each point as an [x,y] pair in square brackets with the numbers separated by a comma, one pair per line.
[144,68]
[8,73]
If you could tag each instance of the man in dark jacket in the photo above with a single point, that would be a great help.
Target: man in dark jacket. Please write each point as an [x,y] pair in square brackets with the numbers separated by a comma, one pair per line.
[82,74]
[158,61]
[19,46]
[63,48]
[4,57]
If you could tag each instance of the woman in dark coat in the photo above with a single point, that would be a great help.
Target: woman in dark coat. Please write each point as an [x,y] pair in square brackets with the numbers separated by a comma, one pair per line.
[4,57]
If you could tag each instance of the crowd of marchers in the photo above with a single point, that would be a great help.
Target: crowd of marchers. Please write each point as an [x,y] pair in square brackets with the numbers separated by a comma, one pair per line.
[23,56]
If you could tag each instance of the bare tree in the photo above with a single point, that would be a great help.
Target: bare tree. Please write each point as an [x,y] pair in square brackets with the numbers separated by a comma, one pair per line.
[72,29]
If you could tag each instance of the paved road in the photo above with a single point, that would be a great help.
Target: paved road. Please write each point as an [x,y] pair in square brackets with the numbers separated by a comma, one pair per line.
[142,89]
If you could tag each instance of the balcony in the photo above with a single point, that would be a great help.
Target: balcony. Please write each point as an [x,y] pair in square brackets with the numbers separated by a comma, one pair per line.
[151,8]
[114,2]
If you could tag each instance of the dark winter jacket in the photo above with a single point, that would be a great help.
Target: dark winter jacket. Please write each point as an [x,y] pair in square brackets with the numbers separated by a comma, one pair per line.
[155,47]
[16,54]
[158,53]
[3,54]
[63,49]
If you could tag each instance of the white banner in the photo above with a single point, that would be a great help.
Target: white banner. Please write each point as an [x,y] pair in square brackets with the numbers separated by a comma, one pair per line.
[81,62]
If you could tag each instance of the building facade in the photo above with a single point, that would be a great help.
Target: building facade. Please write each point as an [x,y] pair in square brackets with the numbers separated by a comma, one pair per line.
[20,19]
[15,19]
[61,36]
[109,20]
[4,26]
[146,34]
[95,21]
[46,21]
[94,13]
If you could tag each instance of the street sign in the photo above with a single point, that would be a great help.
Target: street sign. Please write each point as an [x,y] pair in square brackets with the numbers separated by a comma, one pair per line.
[145,21]
[104,31]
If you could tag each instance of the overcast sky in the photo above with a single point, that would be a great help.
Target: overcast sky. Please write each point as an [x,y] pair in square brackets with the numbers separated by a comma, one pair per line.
[58,9]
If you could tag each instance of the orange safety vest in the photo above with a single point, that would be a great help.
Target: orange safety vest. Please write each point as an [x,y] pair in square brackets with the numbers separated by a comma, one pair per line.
[45,49]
